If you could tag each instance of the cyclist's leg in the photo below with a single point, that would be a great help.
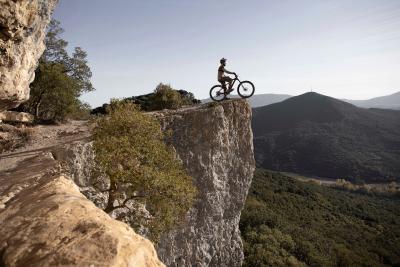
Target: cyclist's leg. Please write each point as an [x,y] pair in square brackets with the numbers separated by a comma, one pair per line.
[230,81]
[223,83]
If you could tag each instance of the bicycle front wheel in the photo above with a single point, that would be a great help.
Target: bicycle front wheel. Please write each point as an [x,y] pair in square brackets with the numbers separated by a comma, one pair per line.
[246,89]
[217,93]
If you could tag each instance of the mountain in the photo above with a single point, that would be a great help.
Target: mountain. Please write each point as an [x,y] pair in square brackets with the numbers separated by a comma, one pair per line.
[388,102]
[266,99]
[384,102]
[316,135]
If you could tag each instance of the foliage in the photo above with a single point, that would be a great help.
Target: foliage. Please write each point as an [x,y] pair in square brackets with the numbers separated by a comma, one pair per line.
[81,112]
[317,225]
[59,79]
[162,97]
[130,149]
[166,98]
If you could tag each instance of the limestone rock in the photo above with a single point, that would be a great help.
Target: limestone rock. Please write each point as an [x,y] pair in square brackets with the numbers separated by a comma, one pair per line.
[22,30]
[12,116]
[46,221]
[216,147]
[77,160]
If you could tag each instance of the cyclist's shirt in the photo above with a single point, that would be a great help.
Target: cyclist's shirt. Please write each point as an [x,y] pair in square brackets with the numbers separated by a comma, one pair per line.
[221,71]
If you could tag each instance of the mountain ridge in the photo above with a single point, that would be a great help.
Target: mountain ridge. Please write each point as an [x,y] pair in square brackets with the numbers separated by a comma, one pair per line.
[391,101]
[317,135]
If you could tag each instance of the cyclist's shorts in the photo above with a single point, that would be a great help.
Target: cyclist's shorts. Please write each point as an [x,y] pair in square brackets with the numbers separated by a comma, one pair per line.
[225,79]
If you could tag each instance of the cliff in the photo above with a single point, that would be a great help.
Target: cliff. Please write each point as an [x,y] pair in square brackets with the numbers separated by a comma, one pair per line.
[22,30]
[47,221]
[215,145]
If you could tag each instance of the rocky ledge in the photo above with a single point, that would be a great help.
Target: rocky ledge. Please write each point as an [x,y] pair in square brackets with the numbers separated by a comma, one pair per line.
[46,221]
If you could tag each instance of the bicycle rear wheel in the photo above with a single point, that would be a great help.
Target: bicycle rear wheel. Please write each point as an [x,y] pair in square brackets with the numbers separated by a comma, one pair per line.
[217,93]
[246,89]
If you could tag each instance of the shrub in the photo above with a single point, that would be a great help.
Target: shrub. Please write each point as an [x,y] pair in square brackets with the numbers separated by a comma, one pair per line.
[166,98]
[130,150]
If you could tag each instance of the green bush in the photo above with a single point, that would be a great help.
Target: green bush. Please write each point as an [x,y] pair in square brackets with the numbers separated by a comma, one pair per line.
[130,149]
[166,98]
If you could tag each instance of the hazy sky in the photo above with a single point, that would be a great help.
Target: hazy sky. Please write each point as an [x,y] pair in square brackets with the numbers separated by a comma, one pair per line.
[342,48]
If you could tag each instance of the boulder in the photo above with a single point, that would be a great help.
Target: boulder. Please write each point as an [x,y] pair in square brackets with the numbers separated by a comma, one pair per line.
[13,116]
[46,221]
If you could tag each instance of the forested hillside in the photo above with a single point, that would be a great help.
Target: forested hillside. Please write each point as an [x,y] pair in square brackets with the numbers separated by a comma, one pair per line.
[316,135]
[291,223]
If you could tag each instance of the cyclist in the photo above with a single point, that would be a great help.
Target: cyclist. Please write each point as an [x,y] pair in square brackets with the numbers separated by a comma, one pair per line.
[225,79]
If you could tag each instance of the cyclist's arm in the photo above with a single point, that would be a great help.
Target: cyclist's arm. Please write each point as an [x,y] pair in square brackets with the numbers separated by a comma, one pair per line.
[229,72]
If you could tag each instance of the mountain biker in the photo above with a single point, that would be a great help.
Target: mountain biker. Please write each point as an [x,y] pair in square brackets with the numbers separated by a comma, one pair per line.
[225,79]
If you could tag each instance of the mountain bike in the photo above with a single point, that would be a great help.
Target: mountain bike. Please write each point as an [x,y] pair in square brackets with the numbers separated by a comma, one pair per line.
[245,89]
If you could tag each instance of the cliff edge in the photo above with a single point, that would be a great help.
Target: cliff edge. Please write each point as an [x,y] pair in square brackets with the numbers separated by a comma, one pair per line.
[215,144]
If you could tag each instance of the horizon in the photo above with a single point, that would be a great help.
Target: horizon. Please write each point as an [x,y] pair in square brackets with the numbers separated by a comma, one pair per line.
[340,49]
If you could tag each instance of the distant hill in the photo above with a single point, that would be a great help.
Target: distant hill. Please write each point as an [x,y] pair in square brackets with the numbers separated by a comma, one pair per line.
[387,102]
[316,135]
[266,99]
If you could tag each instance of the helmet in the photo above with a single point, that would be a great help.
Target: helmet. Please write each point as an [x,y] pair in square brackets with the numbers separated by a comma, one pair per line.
[222,60]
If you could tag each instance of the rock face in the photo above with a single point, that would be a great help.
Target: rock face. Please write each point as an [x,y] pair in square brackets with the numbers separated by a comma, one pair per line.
[22,30]
[216,147]
[46,221]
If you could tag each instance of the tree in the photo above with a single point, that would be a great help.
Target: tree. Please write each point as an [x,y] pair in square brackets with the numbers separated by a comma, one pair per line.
[145,176]
[59,79]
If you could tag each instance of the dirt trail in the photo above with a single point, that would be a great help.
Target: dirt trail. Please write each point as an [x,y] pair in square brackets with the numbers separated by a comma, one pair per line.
[45,138]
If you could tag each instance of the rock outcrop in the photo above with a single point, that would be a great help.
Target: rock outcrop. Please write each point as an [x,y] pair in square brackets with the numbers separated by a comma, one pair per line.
[22,30]
[46,221]
[216,147]
[12,116]
[214,142]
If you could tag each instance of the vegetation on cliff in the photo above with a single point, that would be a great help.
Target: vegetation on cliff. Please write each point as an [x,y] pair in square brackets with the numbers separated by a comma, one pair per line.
[291,223]
[163,97]
[145,176]
[59,80]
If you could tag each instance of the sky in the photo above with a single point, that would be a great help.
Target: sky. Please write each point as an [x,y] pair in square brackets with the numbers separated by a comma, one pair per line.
[341,48]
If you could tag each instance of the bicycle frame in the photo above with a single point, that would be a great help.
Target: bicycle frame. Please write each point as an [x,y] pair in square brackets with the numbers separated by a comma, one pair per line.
[233,84]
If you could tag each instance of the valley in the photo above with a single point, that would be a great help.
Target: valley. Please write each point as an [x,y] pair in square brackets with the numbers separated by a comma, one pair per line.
[291,223]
